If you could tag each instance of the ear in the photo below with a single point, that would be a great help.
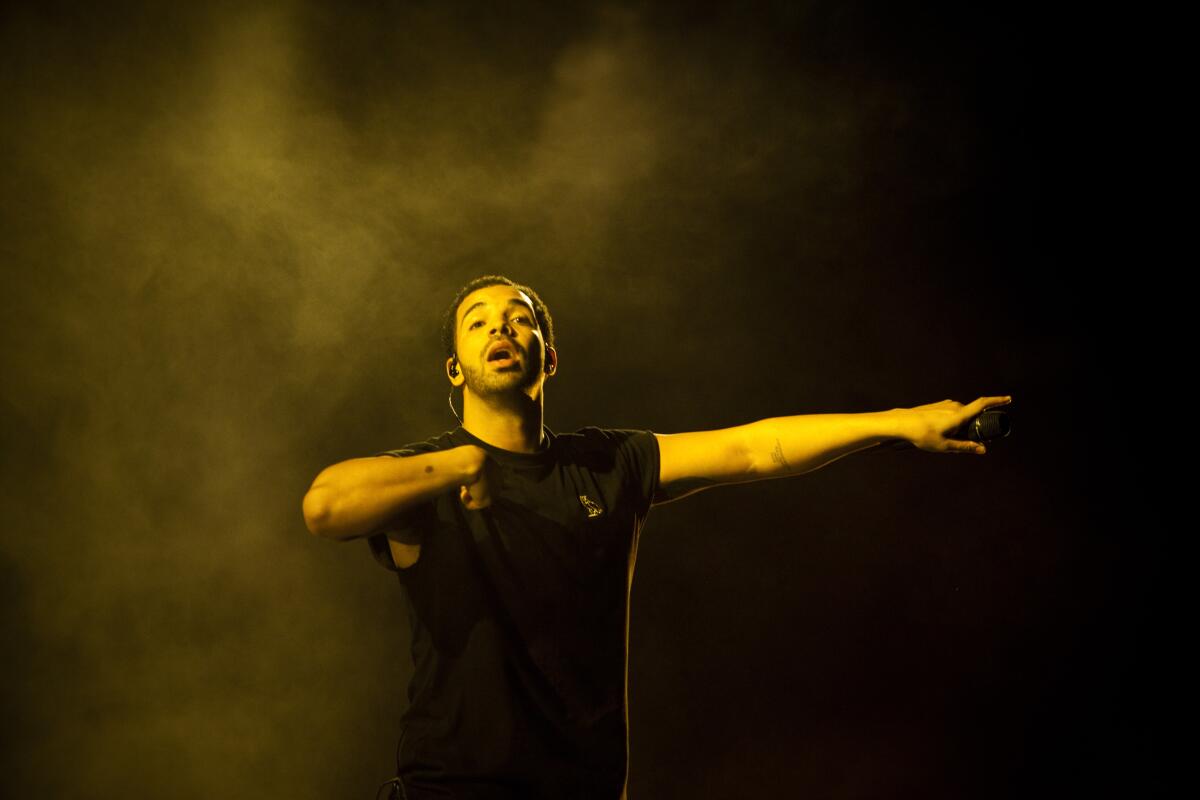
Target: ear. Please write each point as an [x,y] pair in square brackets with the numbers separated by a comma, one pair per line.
[455,379]
[551,360]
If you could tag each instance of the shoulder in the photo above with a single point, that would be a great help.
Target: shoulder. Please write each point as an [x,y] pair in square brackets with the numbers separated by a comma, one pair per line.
[595,439]
[611,437]
[631,452]
[632,447]
[442,441]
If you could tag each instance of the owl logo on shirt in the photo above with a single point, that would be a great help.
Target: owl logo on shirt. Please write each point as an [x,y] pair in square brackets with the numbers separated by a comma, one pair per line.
[591,506]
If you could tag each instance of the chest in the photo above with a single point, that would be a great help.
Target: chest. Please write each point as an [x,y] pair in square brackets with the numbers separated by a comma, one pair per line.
[575,516]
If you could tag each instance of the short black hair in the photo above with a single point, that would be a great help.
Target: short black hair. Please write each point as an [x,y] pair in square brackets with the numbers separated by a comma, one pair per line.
[544,321]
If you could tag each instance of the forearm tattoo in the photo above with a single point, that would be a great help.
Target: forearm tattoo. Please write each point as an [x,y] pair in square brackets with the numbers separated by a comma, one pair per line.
[777,456]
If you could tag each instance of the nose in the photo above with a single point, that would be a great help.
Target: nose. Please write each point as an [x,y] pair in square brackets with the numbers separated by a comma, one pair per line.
[503,327]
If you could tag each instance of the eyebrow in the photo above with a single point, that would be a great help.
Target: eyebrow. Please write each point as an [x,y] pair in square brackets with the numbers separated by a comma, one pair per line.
[512,302]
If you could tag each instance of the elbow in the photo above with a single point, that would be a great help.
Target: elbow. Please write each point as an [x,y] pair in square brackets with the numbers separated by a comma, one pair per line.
[744,454]
[317,511]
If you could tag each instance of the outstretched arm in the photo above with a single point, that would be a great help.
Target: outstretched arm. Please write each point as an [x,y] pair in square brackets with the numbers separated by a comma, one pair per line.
[782,446]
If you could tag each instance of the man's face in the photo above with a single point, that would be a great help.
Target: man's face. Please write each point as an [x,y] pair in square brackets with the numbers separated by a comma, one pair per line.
[500,346]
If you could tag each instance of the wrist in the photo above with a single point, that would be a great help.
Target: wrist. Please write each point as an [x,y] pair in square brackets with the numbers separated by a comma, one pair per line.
[469,463]
[896,423]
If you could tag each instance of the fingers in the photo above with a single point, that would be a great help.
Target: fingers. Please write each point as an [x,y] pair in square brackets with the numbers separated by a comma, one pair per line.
[974,409]
[983,403]
[472,502]
[944,445]
[958,446]
[478,493]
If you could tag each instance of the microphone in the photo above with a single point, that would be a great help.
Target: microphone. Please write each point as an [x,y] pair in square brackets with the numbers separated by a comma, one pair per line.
[984,427]
[991,424]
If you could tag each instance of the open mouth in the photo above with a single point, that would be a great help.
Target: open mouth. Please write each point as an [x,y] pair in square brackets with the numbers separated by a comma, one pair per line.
[502,356]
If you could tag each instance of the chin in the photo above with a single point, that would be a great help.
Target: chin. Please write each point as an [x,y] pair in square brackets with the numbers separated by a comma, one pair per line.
[501,384]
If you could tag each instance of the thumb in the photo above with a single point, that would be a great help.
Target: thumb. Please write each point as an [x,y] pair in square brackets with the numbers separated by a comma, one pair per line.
[472,502]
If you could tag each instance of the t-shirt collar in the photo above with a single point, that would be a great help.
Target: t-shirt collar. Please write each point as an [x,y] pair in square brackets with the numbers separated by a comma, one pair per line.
[461,435]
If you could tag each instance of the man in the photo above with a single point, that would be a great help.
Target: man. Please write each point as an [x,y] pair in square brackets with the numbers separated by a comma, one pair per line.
[515,547]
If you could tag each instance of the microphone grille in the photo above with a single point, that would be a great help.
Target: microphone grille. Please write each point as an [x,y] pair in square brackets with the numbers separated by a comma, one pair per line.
[991,424]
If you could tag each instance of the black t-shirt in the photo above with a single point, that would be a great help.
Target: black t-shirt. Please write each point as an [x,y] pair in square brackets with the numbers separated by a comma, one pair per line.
[519,619]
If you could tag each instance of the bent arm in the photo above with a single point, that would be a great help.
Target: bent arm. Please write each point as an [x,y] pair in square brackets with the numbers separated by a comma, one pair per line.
[352,498]
[782,446]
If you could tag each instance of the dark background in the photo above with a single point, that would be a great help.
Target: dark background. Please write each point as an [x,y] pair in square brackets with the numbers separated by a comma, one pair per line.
[229,234]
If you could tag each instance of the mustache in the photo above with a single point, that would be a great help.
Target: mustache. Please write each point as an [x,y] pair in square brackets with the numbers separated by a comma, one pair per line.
[516,348]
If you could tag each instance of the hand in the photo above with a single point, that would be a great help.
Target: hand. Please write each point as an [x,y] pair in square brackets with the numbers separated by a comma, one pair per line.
[928,425]
[476,492]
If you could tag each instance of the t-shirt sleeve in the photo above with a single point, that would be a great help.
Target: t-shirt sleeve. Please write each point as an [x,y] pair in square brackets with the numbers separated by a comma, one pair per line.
[637,456]
[407,526]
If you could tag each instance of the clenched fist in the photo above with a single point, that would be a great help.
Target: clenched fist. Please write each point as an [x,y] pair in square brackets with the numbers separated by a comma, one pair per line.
[486,478]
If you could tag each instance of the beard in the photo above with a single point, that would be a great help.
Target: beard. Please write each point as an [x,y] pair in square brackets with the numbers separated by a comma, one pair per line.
[487,381]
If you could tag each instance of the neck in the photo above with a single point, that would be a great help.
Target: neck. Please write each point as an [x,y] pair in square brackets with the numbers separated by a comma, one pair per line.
[512,422]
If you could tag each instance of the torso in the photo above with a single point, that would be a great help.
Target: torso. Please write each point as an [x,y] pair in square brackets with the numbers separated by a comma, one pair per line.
[529,650]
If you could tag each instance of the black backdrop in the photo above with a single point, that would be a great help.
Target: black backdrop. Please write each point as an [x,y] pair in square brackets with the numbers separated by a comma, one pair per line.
[230,232]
